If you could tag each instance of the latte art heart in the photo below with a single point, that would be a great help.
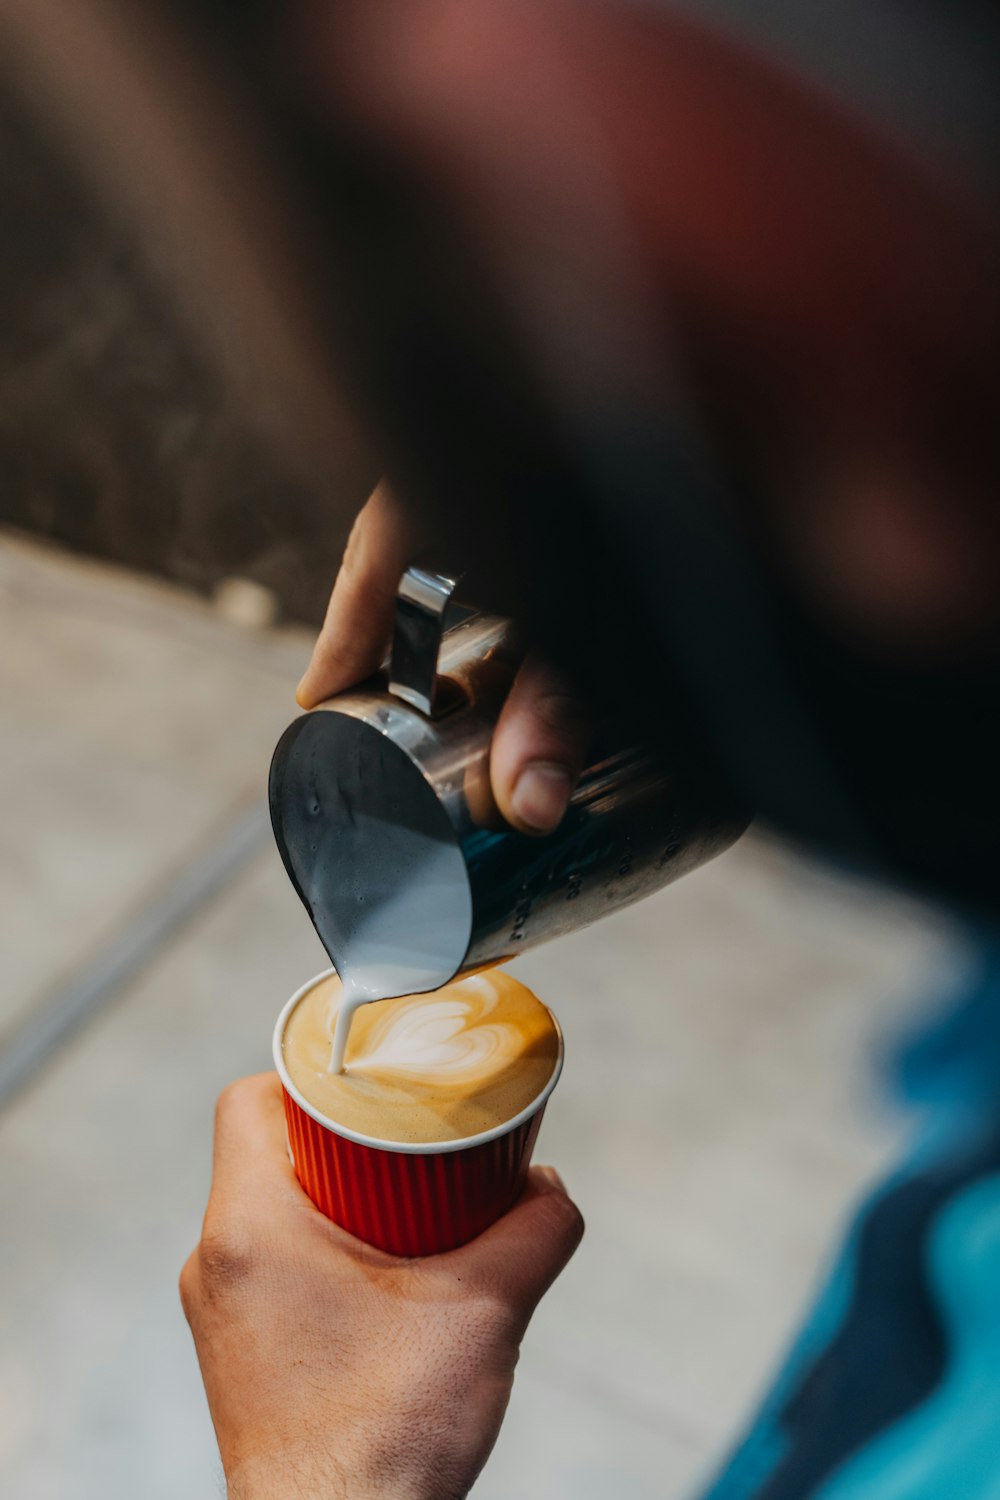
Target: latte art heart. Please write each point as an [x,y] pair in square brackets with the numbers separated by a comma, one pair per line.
[435,1067]
[430,1036]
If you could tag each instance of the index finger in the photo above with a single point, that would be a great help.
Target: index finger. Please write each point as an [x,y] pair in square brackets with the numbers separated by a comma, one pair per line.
[358,624]
[250,1157]
[254,1186]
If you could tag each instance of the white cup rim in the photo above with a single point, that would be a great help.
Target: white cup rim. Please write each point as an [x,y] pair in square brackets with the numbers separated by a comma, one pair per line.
[408,1148]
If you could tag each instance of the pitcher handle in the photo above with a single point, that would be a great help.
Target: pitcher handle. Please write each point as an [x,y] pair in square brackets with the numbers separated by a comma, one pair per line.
[421,603]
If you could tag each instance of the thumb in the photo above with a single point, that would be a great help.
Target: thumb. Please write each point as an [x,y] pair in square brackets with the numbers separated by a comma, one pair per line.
[522,1254]
[538,749]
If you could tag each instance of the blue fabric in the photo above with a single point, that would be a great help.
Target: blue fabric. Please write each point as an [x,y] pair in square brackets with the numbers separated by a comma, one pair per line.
[892,1391]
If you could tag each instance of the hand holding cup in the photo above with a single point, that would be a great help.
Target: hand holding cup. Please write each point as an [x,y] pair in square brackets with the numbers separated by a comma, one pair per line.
[333,1369]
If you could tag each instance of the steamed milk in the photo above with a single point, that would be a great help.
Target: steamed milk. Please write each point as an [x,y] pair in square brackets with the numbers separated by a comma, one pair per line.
[402,939]
[387,892]
[424,1068]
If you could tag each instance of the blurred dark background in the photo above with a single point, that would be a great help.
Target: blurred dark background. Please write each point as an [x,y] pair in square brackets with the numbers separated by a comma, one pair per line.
[117,437]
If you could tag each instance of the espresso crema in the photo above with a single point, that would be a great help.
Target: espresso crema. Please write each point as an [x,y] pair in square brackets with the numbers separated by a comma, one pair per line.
[424,1068]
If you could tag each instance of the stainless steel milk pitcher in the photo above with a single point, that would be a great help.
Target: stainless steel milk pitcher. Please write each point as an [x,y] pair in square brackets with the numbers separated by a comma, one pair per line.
[381,806]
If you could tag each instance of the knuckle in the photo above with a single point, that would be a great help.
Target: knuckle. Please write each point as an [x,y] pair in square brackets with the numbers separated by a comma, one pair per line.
[376,552]
[343,655]
[367,579]
[231,1100]
[563,1209]
[187,1285]
[560,1220]
[354,550]
[226,1262]
[501,1316]
[488,1308]
[571,1219]
[558,712]
[362,569]
[366,591]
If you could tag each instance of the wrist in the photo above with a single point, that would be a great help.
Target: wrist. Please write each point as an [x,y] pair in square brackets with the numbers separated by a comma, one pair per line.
[301,1473]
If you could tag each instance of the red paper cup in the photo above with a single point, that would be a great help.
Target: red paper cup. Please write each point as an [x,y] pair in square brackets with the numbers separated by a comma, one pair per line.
[410,1199]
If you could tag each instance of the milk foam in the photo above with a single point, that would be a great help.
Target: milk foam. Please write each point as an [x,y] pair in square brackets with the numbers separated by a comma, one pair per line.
[431,1067]
[440,1035]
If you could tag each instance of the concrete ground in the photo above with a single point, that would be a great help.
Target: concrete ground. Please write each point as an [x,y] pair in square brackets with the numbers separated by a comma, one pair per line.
[715,1119]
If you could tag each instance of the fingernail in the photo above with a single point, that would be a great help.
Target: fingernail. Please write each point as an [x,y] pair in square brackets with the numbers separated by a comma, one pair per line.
[552,1176]
[541,796]
[302,697]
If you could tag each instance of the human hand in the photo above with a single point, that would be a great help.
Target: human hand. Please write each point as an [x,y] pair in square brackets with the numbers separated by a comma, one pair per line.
[541,736]
[336,1370]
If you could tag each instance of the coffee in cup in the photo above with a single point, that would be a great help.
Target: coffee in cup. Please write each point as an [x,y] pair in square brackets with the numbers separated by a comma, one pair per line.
[425,1068]
[424,1138]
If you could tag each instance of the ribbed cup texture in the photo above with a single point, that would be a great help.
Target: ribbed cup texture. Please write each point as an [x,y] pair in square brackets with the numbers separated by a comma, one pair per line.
[407,1202]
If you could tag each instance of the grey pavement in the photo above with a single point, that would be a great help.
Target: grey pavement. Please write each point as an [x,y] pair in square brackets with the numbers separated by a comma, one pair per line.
[716,1118]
